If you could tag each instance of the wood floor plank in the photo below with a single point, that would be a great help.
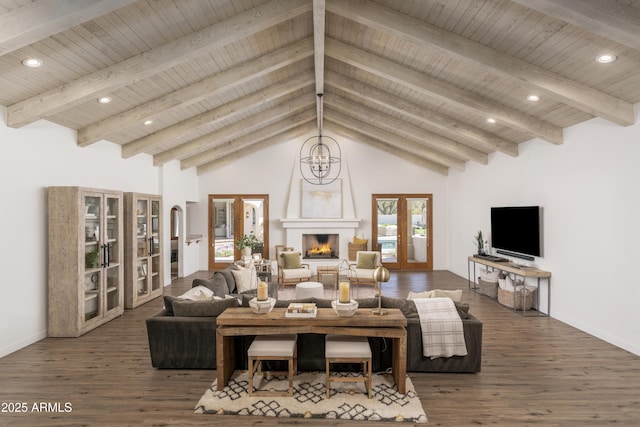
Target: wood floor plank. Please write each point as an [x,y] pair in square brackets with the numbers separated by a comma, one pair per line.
[535,371]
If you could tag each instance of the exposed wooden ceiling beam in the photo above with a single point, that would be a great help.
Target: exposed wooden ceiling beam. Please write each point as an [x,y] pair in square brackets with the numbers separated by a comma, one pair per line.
[392,139]
[429,140]
[400,152]
[611,19]
[546,83]
[236,130]
[241,144]
[43,18]
[447,126]
[218,83]
[259,144]
[226,111]
[155,60]
[442,91]
[318,42]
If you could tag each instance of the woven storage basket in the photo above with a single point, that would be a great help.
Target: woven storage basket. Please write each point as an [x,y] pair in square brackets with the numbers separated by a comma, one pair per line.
[353,248]
[489,289]
[506,298]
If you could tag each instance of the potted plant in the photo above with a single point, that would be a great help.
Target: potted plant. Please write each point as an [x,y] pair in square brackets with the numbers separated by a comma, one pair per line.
[479,242]
[247,244]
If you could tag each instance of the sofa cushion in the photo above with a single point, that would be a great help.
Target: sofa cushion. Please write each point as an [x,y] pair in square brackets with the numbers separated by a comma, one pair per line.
[211,308]
[228,276]
[407,307]
[168,304]
[456,295]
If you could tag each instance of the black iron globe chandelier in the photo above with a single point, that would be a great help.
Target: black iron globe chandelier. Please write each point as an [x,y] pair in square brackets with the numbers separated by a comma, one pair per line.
[320,156]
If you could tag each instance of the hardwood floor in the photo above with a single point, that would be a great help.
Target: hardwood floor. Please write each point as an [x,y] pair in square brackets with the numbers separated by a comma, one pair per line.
[535,371]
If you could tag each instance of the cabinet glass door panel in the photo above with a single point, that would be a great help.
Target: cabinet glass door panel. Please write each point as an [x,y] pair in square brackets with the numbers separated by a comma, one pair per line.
[113,291]
[112,230]
[155,278]
[142,228]
[92,295]
[142,282]
[92,232]
[155,227]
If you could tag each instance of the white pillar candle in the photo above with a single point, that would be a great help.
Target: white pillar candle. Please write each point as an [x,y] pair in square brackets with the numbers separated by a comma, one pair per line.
[344,292]
[262,291]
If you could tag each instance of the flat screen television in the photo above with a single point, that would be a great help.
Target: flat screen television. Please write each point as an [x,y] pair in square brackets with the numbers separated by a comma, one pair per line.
[516,231]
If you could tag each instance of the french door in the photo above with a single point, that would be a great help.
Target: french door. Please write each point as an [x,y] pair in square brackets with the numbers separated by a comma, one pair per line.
[402,230]
[231,216]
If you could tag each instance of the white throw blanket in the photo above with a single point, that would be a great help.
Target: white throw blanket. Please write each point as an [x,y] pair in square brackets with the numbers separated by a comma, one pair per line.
[442,333]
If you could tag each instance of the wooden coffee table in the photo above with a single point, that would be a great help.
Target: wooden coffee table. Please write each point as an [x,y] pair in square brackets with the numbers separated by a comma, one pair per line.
[241,321]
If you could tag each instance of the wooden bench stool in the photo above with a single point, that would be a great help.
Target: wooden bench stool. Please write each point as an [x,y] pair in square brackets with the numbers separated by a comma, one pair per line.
[272,347]
[348,349]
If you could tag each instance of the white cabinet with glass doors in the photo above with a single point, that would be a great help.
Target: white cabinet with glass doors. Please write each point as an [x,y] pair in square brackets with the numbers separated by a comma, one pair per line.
[85,259]
[143,266]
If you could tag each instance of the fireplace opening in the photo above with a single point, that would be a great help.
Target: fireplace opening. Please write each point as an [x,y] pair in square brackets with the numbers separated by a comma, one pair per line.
[320,246]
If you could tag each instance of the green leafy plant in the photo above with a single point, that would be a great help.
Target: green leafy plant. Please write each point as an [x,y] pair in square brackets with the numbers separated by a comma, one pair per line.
[247,241]
[479,242]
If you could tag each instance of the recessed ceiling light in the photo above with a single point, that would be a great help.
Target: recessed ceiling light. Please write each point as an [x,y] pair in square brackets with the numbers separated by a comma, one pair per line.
[104,100]
[32,62]
[606,58]
[491,120]
[148,122]
[533,98]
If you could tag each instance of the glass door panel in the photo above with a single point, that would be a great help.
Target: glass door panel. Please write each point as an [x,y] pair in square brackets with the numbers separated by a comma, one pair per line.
[155,277]
[223,226]
[155,227]
[113,292]
[416,231]
[387,230]
[92,232]
[92,300]
[402,230]
[112,231]
[142,282]
[230,218]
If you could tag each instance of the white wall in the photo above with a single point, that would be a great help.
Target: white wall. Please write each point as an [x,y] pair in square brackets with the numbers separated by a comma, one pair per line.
[36,157]
[588,189]
[269,171]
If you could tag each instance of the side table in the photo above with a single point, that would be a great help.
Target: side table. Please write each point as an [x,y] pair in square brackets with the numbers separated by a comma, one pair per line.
[328,270]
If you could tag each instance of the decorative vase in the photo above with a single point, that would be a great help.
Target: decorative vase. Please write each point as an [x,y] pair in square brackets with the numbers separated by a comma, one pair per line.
[246,251]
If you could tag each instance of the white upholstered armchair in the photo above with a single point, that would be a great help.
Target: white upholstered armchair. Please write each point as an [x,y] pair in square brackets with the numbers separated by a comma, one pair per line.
[291,270]
[361,271]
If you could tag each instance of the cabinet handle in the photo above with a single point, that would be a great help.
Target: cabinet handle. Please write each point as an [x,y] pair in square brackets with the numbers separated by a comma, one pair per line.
[150,245]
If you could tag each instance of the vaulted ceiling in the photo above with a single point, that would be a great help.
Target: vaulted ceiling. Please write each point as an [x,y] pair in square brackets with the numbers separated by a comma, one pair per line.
[208,81]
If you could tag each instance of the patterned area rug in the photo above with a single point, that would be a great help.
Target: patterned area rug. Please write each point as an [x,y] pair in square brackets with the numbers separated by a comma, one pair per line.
[348,400]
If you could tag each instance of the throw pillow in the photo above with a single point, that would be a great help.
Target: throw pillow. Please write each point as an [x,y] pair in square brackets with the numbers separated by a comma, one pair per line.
[217,284]
[291,260]
[198,293]
[359,241]
[367,260]
[425,294]
[456,295]
[211,308]
[246,279]
[407,307]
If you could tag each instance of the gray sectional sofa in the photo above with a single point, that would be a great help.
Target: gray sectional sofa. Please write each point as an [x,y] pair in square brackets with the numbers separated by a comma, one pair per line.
[182,336]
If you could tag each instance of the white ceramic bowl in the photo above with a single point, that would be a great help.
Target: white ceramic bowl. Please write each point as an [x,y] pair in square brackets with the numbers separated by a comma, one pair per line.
[345,309]
[262,307]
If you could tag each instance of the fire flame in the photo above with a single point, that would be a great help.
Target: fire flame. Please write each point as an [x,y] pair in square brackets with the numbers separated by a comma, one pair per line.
[320,249]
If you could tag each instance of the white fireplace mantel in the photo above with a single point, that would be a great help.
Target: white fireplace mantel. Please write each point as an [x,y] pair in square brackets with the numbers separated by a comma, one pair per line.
[332,223]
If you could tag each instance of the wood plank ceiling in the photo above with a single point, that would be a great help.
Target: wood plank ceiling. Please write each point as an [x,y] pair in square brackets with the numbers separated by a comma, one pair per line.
[217,79]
